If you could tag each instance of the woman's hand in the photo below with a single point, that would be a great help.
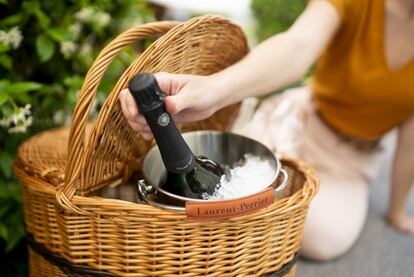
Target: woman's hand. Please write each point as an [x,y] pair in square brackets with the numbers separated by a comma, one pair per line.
[402,179]
[189,98]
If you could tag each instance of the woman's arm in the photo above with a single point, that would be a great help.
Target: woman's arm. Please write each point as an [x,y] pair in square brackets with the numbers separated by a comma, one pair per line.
[277,62]
[402,179]
[282,59]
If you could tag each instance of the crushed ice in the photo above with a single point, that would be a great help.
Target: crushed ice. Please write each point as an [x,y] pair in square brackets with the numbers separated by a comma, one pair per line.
[250,175]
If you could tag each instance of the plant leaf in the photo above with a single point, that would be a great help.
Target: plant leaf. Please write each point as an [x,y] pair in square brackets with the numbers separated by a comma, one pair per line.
[43,19]
[15,226]
[6,204]
[6,61]
[4,83]
[6,164]
[74,81]
[45,47]
[15,192]
[11,20]
[15,239]
[4,48]
[59,34]
[3,98]
[21,87]
[4,191]
[3,231]
[3,2]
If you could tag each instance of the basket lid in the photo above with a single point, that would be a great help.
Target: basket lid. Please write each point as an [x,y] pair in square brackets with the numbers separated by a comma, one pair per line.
[44,155]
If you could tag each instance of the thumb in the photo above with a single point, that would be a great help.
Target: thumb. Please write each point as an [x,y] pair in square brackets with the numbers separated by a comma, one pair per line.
[177,103]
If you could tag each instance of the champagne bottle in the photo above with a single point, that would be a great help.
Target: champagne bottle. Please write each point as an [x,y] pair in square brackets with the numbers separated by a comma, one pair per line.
[187,175]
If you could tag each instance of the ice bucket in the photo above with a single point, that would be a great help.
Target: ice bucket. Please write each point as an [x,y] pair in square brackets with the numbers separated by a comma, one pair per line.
[226,149]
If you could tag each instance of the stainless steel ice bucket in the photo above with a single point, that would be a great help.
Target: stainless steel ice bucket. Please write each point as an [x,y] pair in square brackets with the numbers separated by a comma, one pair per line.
[224,148]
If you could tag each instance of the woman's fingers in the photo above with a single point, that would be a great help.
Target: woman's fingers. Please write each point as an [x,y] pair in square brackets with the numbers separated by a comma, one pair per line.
[147,136]
[134,118]
[136,126]
[172,84]
[140,119]
[165,81]
[129,108]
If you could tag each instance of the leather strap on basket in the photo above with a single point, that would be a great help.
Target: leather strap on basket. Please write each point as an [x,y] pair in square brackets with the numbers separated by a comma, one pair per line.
[214,210]
[76,142]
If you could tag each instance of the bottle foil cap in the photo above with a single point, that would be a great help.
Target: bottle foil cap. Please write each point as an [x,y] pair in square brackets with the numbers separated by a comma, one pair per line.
[148,95]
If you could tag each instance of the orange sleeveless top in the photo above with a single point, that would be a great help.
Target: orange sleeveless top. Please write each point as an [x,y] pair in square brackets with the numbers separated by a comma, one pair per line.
[353,87]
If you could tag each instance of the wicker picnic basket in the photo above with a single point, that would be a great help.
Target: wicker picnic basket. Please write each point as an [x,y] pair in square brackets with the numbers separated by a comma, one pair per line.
[74,229]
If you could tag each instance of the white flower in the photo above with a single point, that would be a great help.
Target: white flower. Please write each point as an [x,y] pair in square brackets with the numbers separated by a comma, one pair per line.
[19,121]
[18,129]
[102,19]
[75,28]
[86,49]
[11,38]
[67,48]
[15,37]
[91,15]
[85,14]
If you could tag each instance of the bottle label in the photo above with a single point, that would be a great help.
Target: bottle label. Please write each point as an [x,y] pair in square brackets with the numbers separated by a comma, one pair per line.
[213,210]
[163,120]
[189,163]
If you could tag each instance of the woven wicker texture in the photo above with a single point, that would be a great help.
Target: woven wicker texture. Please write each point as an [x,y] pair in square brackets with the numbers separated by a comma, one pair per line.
[132,239]
[39,267]
[45,155]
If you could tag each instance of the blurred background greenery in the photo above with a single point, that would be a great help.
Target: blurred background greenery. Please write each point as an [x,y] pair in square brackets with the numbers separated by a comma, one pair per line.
[275,16]
[46,48]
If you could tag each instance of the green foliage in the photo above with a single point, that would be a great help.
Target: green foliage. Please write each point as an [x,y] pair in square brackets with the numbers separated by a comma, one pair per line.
[11,228]
[275,16]
[46,48]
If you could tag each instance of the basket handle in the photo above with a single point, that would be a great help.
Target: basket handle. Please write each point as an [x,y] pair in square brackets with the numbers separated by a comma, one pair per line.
[76,142]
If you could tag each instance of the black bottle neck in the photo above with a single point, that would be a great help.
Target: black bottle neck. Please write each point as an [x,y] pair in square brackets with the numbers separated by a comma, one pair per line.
[176,154]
